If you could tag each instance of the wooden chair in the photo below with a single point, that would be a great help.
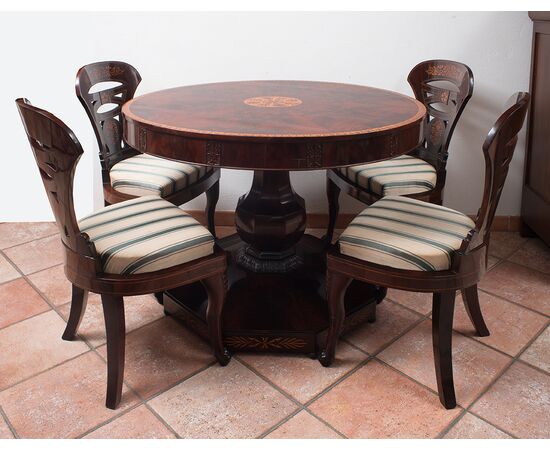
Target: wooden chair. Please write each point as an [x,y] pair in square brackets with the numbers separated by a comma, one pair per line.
[445,87]
[126,172]
[407,244]
[135,247]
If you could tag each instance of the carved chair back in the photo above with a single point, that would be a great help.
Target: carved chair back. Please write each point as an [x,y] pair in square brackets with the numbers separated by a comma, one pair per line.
[103,106]
[445,87]
[57,151]
[498,150]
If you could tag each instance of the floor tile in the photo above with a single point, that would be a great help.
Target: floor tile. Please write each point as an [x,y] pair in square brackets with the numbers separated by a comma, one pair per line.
[301,376]
[18,301]
[34,345]
[7,271]
[417,301]
[303,426]
[519,402]
[5,432]
[15,233]
[535,254]
[503,243]
[223,402]
[53,284]
[511,326]
[36,255]
[63,402]
[520,285]
[472,427]
[139,310]
[378,402]
[160,354]
[474,364]
[538,353]
[391,321]
[139,423]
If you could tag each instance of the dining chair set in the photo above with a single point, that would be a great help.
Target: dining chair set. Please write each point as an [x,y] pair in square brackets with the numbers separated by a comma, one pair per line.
[141,242]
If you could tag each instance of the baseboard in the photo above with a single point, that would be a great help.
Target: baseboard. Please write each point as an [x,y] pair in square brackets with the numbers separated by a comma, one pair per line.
[320,220]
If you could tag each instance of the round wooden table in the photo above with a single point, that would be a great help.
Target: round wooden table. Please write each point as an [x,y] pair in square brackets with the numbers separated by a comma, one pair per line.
[276,277]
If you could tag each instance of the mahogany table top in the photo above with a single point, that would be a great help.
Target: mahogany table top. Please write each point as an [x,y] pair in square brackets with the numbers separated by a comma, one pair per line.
[362,123]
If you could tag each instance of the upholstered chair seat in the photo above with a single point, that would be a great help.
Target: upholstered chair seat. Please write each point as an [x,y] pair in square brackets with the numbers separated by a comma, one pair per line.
[143,175]
[404,175]
[145,234]
[405,233]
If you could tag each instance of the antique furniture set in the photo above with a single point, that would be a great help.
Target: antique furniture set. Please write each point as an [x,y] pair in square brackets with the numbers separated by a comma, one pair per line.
[270,286]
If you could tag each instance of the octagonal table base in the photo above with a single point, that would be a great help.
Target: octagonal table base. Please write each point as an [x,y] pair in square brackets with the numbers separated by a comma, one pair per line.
[274,312]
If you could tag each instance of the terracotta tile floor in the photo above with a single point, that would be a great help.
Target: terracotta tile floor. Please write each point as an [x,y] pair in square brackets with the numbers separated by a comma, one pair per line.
[382,384]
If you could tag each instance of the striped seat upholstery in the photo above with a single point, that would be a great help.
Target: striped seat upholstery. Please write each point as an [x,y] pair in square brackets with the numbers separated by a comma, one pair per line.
[147,175]
[405,233]
[403,175]
[145,234]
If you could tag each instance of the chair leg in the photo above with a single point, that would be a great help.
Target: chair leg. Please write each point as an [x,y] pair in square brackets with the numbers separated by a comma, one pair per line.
[471,303]
[212,196]
[333,193]
[159,296]
[336,290]
[442,331]
[79,301]
[216,288]
[113,311]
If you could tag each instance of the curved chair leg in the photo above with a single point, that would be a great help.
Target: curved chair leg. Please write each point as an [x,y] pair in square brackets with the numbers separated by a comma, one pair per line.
[336,290]
[113,311]
[216,288]
[471,303]
[212,196]
[79,301]
[442,331]
[333,193]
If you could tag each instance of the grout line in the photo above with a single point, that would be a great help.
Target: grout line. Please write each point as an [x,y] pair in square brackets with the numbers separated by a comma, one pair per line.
[8,423]
[326,423]
[513,302]
[263,434]
[408,308]
[121,413]
[512,361]
[337,382]
[161,420]
[26,318]
[32,240]
[43,371]
[264,378]
[301,406]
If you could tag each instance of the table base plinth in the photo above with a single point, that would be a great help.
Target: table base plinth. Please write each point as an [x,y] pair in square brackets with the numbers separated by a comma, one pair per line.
[263,262]
[274,312]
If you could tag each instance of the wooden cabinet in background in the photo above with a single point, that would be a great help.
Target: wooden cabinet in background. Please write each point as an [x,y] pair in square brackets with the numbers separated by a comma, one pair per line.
[535,208]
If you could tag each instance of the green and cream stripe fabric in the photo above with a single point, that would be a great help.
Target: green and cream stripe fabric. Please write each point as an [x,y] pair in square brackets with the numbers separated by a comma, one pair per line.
[403,175]
[405,233]
[144,235]
[147,175]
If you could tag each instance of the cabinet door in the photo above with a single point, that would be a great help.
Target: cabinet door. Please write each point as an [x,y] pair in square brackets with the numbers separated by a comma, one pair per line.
[536,192]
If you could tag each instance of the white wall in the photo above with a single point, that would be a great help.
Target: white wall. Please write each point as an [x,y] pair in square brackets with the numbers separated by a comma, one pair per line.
[41,53]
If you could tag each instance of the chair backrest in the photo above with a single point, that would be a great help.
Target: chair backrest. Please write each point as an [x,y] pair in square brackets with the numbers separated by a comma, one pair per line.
[103,106]
[57,151]
[445,87]
[498,150]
